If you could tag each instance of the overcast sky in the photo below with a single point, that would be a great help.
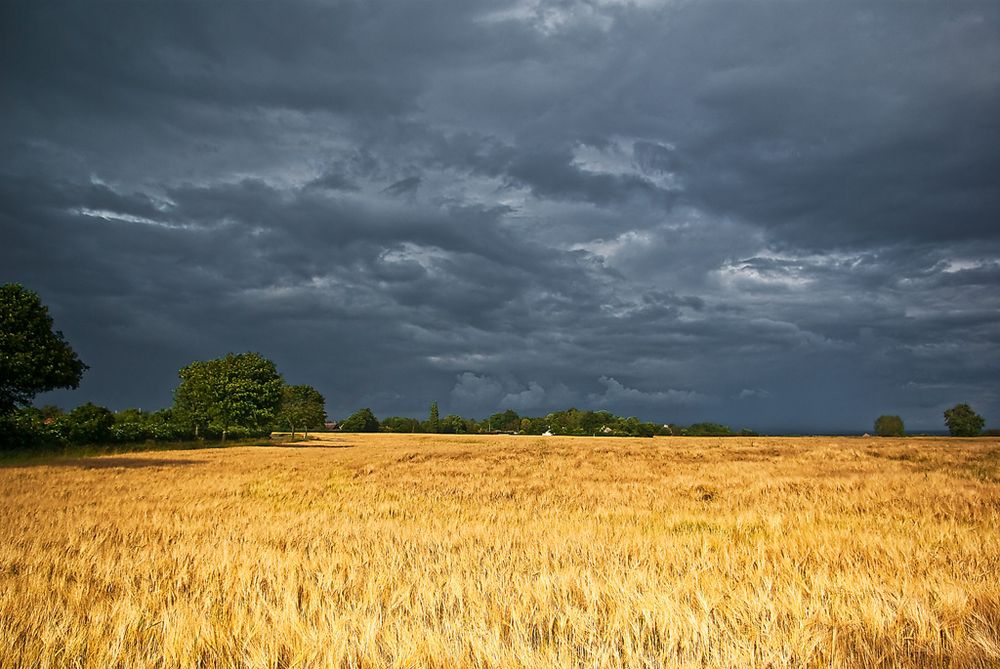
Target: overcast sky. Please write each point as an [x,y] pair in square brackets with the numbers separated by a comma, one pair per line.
[784,216]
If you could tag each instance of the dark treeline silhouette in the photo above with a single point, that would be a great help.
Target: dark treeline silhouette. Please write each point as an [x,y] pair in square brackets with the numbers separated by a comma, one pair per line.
[571,422]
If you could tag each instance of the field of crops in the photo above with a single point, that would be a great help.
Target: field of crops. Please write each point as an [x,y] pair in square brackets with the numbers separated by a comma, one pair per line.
[435,551]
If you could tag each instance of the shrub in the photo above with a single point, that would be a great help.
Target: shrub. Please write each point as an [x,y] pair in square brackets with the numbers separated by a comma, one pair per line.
[89,424]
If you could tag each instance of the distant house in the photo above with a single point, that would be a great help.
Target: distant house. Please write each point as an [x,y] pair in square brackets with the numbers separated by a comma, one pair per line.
[547,433]
[330,425]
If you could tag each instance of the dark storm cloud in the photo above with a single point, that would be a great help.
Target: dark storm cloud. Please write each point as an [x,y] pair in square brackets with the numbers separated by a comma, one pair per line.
[778,215]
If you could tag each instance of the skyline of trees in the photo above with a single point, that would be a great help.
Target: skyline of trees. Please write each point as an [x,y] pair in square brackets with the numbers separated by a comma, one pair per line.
[244,395]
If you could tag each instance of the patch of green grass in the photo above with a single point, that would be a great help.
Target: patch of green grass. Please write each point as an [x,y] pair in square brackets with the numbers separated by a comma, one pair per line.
[46,454]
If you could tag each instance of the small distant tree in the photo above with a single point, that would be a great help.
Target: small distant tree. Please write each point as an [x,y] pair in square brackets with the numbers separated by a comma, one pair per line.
[434,419]
[708,430]
[301,407]
[889,426]
[962,421]
[507,421]
[33,357]
[452,424]
[360,421]
[401,424]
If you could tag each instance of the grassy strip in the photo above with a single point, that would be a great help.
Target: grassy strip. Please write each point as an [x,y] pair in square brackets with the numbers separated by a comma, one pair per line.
[48,454]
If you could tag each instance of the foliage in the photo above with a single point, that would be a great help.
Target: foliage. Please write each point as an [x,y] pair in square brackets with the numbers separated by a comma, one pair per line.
[401,424]
[708,430]
[89,424]
[534,425]
[301,407]
[508,421]
[21,429]
[130,425]
[433,423]
[238,394]
[593,423]
[889,426]
[162,426]
[33,357]
[962,421]
[362,420]
[452,424]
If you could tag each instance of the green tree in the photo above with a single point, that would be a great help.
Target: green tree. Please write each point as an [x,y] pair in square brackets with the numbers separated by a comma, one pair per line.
[401,424]
[239,393]
[362,420]
[89,424]
[962,421]
[33,357]
[708,430]
[452,424]
[889,426]
[433,419]
[508,421]
[301,406]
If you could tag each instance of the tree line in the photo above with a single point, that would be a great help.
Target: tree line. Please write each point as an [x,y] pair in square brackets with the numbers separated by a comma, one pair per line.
[571,422]
[238,396]
[235,396]
[243,395]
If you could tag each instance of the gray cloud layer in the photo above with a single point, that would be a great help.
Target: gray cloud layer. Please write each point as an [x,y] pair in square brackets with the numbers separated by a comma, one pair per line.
[781,215]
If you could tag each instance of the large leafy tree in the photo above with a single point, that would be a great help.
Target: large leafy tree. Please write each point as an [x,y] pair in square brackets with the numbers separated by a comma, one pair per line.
[301,407]
[240,392]
[962,421]
[33,357]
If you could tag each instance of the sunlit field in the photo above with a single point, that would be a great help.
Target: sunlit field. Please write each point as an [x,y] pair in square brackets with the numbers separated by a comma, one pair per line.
[435,551]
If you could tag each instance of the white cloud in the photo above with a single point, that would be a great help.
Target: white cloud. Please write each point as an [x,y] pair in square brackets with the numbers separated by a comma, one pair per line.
[752,394]
[617,393]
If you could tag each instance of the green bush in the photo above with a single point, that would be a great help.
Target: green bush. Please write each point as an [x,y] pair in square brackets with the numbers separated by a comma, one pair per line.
[89,424]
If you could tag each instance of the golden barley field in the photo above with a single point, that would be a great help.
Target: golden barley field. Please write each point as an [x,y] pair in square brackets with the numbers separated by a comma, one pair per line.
[504,551]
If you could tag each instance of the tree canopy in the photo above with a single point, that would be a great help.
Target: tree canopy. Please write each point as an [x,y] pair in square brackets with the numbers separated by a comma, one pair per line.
[889,426]
[238,393]
[301,407]
[433,419]
[962,421]
[33,357]
[360,421]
